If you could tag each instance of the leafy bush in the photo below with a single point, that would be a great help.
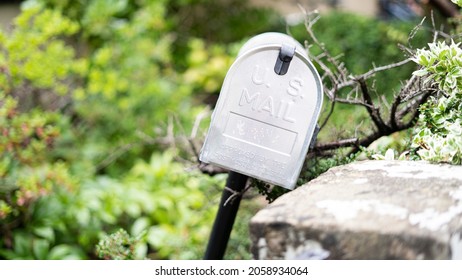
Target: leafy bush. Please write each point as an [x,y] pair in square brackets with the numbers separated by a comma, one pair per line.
[28,175]
[26,180]
[52,206]
[130,74]
[167,209]
[110,80]
[117,246]
[134,69]
[438,136]
[439,133]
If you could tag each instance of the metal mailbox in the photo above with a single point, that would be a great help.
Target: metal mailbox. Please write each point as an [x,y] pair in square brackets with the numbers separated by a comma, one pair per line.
[267,111]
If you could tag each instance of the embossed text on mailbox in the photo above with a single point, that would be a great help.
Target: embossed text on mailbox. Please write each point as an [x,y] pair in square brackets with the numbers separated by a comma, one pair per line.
[263,122]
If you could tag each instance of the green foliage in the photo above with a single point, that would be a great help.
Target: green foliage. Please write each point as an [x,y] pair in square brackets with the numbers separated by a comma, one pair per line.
[158,198]
[52,203]
[131,73]
[36,56]
[438,136]
[363,42]
[117,246]
[27,178]
[390,155]
[35,65]
[442,63]
[212,20]
[24,173]
[207,67]
[29,246]
[166,208]
[173,206]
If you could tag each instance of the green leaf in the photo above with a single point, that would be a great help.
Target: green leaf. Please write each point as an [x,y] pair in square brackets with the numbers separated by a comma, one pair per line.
[22,245]
[140,225]
[141,250]
[65,252]
[420,73]
[390,154]
[83,216]
[9,255]
[458,2]
[41,248]
[45,232]
[157,235]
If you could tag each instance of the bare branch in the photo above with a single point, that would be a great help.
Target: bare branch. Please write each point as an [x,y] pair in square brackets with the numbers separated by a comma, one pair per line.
[413,105]
[376,70]
[394,119]
[203,114]
[353,142]
[416,111]
[374,112]
[310,20]
[394,107]
[352,102]
[332,106]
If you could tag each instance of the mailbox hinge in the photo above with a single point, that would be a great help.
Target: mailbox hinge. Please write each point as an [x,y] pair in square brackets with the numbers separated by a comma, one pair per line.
[286,53]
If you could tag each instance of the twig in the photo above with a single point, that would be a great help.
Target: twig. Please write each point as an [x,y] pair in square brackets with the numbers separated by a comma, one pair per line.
[203,114]
[414,32]
[337,144]
[414,104]
[373,111]
[235,194]
[405,93]
[331,111]
[376,70]
[194,131]
[114,156]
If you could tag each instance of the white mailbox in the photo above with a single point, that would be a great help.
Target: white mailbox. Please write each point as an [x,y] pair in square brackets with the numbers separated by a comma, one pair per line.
[267,111]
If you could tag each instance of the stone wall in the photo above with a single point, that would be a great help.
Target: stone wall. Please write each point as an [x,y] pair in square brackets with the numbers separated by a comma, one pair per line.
[366,210]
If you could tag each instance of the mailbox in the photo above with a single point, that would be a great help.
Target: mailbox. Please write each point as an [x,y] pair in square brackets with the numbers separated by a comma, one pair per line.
[267,111]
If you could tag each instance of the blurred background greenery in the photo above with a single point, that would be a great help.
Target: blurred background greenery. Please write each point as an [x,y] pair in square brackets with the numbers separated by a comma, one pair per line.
[100,103]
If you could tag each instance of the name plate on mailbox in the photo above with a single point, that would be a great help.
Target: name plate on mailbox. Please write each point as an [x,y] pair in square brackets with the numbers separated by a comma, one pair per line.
[264,120]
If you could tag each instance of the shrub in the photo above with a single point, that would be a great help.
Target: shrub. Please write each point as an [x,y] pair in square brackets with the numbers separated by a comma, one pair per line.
[51,204]
[36,65]
[438,137]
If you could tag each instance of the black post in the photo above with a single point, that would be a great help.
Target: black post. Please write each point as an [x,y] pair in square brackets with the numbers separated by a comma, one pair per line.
[225,217]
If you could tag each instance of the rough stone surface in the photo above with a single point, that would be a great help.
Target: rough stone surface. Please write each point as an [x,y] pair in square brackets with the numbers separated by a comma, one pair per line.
[366,210]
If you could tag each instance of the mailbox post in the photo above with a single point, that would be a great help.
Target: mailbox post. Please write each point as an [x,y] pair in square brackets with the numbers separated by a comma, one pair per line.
[263,122]
[225,217]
